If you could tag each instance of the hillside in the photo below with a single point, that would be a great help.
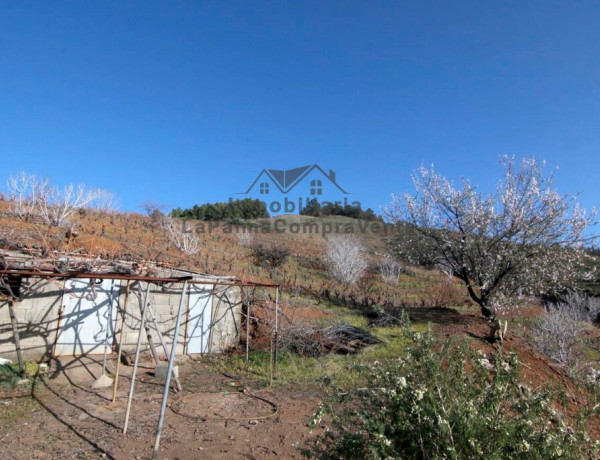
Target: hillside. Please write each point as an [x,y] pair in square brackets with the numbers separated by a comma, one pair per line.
[224,249]
[311,300]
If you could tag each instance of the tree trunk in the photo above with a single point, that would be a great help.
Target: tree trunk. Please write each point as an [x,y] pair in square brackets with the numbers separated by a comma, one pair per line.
[486,311]
[482,300]
[495,325]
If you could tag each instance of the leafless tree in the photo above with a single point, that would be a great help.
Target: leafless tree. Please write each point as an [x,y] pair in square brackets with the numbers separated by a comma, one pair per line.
[22,189]
[182,237]
[585,306]
[560,329]
[152,207]
[105,202]
[270,256]
[55,206]
[524,239]
[156,212]
[346,258]
[245,238]
[390,270]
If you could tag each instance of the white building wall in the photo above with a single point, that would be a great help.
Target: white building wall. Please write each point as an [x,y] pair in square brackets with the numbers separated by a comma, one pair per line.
[38,316]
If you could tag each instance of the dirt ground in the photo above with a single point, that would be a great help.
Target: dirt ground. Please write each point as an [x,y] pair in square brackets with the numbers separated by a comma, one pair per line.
[537,371]
[217,417]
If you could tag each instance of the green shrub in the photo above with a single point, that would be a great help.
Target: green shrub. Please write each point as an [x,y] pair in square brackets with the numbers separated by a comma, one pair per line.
[270,256]
[9,375]
[446,404]
[233,210]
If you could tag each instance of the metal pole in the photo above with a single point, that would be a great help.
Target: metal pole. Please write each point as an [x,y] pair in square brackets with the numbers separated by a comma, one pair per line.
[162,342]
[247,323]
[137,358]
[123,313]
[108,321]
[163,407]
[276,331]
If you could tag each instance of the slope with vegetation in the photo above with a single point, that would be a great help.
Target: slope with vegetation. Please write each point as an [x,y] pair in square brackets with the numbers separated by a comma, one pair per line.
[327,299]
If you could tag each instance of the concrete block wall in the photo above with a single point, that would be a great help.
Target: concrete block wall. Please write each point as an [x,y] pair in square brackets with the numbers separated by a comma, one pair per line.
[37,317]
[225,324]
[227,319]
[164,305]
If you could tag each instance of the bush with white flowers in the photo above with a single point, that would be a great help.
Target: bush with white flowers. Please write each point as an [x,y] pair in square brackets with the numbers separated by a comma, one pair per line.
[445,404]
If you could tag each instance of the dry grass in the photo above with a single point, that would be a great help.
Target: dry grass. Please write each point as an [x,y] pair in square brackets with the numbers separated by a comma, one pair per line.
[303,276]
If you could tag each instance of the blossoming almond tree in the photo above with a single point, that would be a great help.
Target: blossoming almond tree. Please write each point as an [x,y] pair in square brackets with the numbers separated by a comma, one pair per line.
[346,258]
[525,239]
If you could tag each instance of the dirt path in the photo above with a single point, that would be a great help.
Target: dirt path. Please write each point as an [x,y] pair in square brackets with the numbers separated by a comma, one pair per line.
[217,416]
[64,418]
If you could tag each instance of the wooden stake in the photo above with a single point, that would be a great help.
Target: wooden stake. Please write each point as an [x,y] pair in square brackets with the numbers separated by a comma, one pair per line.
[15,328]
[163,407]
[123,314]
[135,363]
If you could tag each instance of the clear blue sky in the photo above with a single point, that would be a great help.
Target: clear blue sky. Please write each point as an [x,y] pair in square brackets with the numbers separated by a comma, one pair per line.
[185,102]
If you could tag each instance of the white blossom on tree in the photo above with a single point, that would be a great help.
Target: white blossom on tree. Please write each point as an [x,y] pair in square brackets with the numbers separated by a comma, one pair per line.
[346,258]
[524,239]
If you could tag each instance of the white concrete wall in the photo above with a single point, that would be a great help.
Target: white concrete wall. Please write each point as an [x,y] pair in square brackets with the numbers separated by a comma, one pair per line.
[226,319]
[38,314]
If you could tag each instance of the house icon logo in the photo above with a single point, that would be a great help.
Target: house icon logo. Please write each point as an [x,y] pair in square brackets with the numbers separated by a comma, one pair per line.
[312,177]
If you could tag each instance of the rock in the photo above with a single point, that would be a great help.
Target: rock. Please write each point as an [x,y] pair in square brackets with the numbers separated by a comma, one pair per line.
[103,381]
[161,369]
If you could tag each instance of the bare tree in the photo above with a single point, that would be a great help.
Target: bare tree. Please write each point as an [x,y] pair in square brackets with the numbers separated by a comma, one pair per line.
[245,238]
[182,237]
[22,194]
[55,206]
[390,270]
[560,328]
[585,306]
[524,239]
[152,207]
[105,201]
[346,258]
[270,256]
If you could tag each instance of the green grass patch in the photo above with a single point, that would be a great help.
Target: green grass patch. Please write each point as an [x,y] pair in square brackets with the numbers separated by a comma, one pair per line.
[9,375]
[591,354]
[337,369]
